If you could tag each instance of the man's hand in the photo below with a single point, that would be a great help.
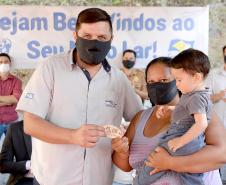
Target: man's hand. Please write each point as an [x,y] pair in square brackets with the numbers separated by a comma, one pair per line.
[160,160]
[120,145]
[88,135]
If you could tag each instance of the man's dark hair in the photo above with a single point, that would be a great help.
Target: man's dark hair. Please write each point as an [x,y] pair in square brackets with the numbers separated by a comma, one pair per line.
[129,51]
[93,15]
[192,61]
[5,55]
[224,48]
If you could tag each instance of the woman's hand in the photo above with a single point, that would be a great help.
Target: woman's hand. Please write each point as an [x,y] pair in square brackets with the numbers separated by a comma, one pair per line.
[160,160]
[120,145]
[120,155]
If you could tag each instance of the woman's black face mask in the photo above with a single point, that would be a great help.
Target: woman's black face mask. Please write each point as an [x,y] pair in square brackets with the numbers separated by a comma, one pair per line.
[162,93]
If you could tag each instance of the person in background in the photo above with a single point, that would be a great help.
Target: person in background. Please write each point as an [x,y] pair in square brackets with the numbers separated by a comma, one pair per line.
[216,81]
[136,76]
[15,156]
[10,92]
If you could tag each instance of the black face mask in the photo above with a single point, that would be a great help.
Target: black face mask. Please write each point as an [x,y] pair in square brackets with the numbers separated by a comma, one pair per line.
[162,93]
[92,51]
[225,59]
[128,63]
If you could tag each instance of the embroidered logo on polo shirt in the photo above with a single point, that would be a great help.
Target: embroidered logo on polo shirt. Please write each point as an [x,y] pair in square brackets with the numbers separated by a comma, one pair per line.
[110,103]
[29,95]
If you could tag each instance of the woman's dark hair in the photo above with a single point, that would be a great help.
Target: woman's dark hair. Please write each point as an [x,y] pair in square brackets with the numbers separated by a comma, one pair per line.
[161,60]
[192,61]
[93,15]
[5,55]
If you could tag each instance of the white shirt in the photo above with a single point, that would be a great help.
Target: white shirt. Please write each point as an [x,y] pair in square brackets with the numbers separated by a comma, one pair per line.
[216,81]
[60,93]
[122,177]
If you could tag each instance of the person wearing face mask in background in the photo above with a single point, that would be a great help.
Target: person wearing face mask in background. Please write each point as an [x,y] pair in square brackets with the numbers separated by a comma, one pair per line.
[10,92]
[69,99]
[216,81]
[136,76]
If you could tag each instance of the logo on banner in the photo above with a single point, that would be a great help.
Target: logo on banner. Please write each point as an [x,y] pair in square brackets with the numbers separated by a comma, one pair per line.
[180,45]
[5,45]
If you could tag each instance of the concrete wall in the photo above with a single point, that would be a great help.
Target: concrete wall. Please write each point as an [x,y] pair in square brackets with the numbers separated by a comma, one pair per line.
[217,29]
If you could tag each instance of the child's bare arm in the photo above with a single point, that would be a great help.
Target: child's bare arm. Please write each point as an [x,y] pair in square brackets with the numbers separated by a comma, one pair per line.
[196,129]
